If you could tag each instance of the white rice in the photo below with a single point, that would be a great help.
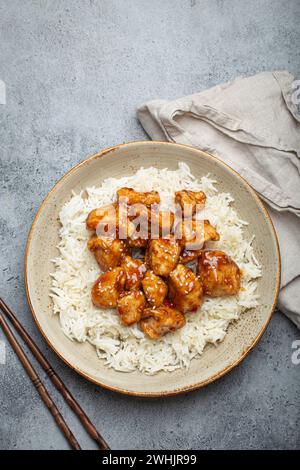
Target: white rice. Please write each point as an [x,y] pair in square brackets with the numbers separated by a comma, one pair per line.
[127,349]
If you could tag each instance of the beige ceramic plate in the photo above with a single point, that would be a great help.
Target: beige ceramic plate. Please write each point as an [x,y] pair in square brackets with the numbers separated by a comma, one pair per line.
[123,160]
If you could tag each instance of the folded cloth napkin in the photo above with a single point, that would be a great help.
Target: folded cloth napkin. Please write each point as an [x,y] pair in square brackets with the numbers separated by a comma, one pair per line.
[253,125]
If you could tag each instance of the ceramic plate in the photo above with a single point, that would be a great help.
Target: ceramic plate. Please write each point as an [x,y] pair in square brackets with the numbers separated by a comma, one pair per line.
[123,160]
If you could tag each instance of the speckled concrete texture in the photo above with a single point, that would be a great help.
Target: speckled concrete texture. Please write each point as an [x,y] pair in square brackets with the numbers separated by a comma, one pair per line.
[75,73]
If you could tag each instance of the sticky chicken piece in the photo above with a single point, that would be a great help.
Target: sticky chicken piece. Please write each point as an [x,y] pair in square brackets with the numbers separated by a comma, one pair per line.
[190,201]
[130,307]
[134,197]
[108,287]
[188,256]
[135,270]
[110,221]
[140,212]
[162,223]
[102,214]
[155,289]
[163,255]
[139,218]
[185,289]
[192,234]
[148,223]
[166,222]
[137,242]
[108,252]
[218,273]
[157,322]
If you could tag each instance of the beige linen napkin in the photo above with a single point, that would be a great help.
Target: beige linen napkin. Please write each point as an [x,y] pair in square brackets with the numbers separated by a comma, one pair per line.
[253,125]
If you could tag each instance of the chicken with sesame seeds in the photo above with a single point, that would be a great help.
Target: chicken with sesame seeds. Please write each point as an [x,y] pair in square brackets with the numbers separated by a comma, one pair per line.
[190,201]
[192,234]
[108,252]
[108,287]
[163,255]
[130,196]
[218,273]
[188,256]
[110,221]
[140,217]
[149,223]
[155,289]
[185,289]
[137,242]
[157,322]
[130,306]
[105,214]
[162,223]
[135,270]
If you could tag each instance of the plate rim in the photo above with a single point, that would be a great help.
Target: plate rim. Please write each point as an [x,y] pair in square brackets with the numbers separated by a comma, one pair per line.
[187,388]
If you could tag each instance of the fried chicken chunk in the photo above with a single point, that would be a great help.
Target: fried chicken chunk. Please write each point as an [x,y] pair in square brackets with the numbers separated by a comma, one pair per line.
[161,223]
[163,255]
[101,214]
[148,223]
[134,197]
[139,216]
[188,256]
[157,322]
[135,270]
[166,221]
[108,252]
[189,200]
[137,242]
[192,234]
[130,306]
[218,274]
[110,221]
[155,289]
[185,289]
[108,287]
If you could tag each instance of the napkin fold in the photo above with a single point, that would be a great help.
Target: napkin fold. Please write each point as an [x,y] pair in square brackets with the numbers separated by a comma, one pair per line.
[253,125]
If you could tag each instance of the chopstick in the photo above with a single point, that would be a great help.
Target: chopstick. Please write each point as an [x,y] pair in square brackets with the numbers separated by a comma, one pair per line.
[55,379]
[44,394]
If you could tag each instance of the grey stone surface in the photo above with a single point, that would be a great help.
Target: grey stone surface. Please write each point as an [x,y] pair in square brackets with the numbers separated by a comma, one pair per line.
[75,73]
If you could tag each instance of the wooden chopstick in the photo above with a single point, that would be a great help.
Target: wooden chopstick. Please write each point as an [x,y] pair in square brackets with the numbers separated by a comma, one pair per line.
[44,394]
[55,379]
